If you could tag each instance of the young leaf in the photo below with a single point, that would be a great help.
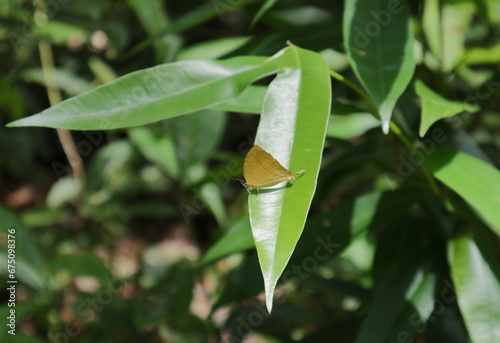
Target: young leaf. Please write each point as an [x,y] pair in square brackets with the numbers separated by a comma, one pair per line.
[154,94]
[378,35]
[292,128]
[435,107]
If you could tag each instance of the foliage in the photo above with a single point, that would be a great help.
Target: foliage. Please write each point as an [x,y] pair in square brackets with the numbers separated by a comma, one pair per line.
[134,230]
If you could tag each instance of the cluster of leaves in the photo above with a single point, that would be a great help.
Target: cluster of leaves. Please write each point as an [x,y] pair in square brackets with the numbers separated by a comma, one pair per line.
[154,241]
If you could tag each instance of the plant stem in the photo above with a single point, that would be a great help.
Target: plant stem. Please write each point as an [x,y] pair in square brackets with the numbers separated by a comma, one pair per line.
[400,134]
[341,78]
[393,126]
[54,95]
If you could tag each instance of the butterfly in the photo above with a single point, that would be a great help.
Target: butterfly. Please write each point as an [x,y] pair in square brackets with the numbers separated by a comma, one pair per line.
[261,169]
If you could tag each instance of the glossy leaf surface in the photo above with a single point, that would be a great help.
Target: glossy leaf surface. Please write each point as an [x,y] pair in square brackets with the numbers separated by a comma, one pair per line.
[292,129]
[153,94]
[378,36]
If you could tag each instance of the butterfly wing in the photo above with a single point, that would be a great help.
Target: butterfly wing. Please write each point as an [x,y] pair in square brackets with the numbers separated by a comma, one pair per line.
[261,169]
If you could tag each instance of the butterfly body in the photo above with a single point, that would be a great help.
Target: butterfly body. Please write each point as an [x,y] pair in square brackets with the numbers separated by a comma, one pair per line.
[261,169]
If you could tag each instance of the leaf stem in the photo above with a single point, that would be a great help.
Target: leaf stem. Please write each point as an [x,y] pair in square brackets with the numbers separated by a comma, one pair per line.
[400,134]
[341,78]
[54,95]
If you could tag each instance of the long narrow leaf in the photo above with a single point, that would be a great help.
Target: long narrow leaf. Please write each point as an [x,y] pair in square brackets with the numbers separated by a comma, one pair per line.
[476,181]
[292,128]
[379,43]
[154,94]
[477,288]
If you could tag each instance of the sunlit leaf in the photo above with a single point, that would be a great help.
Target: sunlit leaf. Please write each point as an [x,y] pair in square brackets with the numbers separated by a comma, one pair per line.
[292,129]
[476,181]
[153,94]
[378,37]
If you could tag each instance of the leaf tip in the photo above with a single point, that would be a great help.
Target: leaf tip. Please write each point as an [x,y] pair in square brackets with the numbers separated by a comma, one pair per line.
[15,123]
[269,303]
[385,126]
[422,130]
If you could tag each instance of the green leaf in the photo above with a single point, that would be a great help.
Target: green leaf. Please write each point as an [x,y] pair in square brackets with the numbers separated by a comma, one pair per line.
[477,288]
[249,101]
[153,18]
[350,222]
[341,108]
[346,122]
[379,43]
[483,55]
[242,283]
[404,277]
[474,78]
[151,15]
[102,71]
[196,136]
[492,7]
[476,181]
[193,18]
[262,10]
[431,26]
[350,126]
[159,150]
[41,217]
[60,32]
[435,107]
[292,128]
[336,60]
[60,78]
[211,194]
[29,263]
[445,26]
[458,139]
[237,238]
[168,299]
[85,264]
[109,170]
[212,49]
[300,16]
[11,100]
[345,223]
[153,94]
[63,191]
[410,293]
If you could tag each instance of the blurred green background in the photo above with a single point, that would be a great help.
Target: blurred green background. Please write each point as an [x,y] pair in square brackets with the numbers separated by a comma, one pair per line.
[120,261]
